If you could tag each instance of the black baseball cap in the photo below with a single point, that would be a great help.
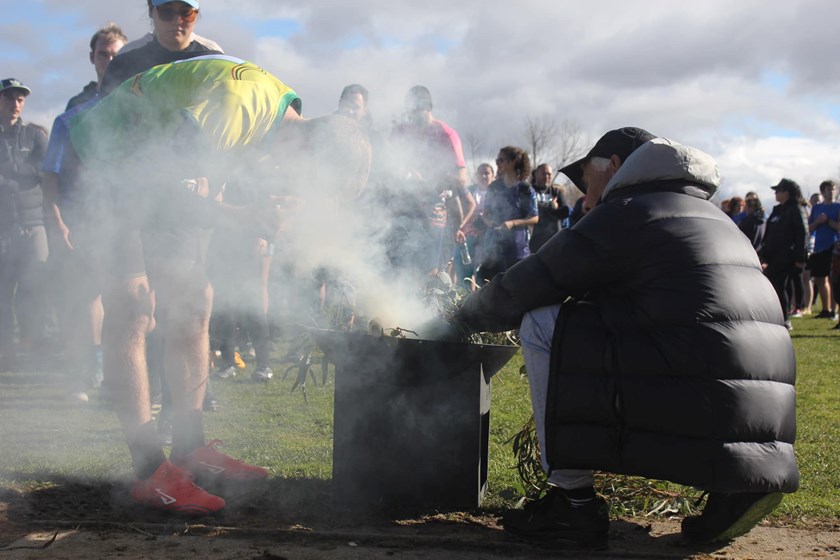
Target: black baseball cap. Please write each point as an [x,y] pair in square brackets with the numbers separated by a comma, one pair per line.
[621,142]
[12,83]
[786,185]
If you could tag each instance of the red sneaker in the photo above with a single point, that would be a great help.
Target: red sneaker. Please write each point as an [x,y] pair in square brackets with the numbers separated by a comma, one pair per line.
[212,466]
[172,489]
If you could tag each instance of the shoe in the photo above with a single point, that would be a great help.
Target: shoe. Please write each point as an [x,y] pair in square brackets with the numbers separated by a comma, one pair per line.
[836,327]
[226,372]
[79,391]
[832,316]
[212,467]
[824,314]
[552,521]
[788,325]
[727,516]
[796,313]
[262,375]
[78,396]
[172,489]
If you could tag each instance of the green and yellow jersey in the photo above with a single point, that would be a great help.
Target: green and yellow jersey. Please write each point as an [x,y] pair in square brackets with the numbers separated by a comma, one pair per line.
[229,102]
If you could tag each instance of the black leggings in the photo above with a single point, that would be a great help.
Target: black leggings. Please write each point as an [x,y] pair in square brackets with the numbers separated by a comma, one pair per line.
[779,276]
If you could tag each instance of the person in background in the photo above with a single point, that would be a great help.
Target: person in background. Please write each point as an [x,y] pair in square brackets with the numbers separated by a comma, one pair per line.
[752,225]
[433,162]
[735,208]
[510,211]
[23,237]
[238,266]
[809,295]
[783,252]
[653,299]
[578,211]
[104,46]
[474,229]
[823,223]
[352,103]
[70,212]
[835,273]
[551,204]
[796,282]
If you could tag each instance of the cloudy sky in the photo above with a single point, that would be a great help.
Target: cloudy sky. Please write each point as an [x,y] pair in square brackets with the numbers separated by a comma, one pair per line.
[754,83]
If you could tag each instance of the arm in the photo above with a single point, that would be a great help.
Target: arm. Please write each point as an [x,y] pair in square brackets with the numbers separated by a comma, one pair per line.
[801,231]
[523,222]
[52,213]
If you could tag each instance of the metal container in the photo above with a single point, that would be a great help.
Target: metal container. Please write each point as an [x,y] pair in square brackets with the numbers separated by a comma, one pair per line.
[412,419]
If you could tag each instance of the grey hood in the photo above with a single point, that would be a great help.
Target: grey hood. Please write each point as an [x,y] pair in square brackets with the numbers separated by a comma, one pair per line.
[665,160]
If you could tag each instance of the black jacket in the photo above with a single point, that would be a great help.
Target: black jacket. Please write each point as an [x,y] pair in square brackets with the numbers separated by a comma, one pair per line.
[753,227]
[88,92]
[785,236]
[22,148]
[550,218]
[670,360]
[126,65]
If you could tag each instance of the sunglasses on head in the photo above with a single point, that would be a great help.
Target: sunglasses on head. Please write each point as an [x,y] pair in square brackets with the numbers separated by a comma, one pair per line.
[168,13]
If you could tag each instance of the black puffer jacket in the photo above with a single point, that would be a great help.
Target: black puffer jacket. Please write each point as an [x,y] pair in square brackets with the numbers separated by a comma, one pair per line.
[671,361]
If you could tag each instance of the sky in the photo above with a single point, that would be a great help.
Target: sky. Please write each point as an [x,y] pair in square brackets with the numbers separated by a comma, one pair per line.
[753,83]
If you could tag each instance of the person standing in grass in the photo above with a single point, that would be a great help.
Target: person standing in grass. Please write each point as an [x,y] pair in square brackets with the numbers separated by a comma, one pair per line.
[165,143]
[654,347]
[824,223]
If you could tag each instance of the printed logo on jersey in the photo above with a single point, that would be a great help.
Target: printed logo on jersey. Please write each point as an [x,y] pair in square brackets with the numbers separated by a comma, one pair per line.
[239,71]
[136,88]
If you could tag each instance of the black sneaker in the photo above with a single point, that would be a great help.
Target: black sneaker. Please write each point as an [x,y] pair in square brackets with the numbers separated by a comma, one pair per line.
[727,516]
[551,521]
[262,374]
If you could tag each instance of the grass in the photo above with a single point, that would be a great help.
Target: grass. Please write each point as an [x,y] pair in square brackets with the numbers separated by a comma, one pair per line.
[44,437]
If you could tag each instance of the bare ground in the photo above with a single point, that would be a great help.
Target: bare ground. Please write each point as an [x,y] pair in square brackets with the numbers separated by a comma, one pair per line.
[286,519]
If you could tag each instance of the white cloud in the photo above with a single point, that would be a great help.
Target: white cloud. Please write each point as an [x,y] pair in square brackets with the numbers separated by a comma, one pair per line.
[695,72]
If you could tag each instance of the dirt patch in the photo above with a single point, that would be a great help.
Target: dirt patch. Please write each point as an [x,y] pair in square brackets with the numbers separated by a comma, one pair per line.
[285,519]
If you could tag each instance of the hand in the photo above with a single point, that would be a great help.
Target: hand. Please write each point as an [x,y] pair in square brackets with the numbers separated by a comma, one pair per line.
[277,216]
[821,219]
[65,236]
[800,265]
[508,225]
[460,237]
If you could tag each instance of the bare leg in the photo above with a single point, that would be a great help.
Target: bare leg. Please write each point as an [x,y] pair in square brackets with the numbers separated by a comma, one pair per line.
[185,296]
[807,292]
[96,315]
[130,305]
[821,282]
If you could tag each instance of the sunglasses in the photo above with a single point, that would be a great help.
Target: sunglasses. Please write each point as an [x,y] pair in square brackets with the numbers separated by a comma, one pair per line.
[168,13]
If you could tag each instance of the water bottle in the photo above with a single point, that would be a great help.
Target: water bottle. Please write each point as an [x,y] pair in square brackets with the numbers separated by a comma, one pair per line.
[466,259]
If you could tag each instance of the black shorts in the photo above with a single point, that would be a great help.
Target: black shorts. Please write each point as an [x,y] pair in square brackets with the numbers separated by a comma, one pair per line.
[820,264]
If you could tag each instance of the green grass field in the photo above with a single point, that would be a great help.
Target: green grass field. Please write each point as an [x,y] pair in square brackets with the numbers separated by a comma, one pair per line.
[44,437]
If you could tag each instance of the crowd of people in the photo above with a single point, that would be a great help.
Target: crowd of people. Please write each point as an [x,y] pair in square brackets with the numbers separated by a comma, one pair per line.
[163,252]
[798,243]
